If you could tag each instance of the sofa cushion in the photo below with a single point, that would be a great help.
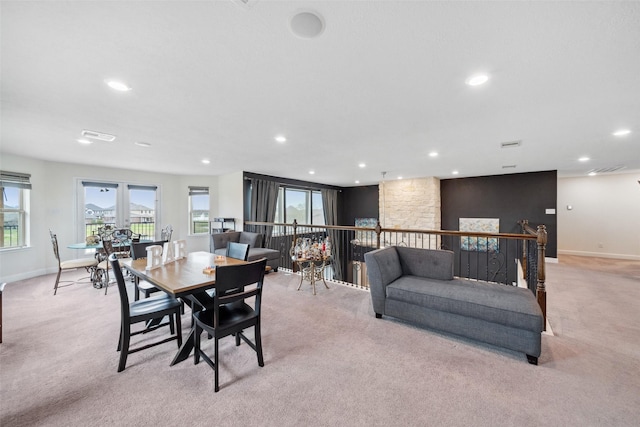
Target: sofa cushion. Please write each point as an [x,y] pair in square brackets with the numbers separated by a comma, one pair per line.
[493,302]
[254,240]
[257,253]
[431,263]
[220,240]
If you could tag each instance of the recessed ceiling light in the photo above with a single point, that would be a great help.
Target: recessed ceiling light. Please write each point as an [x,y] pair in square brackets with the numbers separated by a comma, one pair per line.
[362,165]
[357,182]
[206,161]
[399,177]
[455,173]
[584,159]
[118,85]
[433,154]
[280,139]
[84,141]
[622,132]
[477,80]
[312,172]
[307,24]
[592,173]
[142,144]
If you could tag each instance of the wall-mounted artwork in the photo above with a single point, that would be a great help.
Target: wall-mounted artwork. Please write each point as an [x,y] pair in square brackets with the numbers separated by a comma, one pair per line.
[366,238]
[479,225]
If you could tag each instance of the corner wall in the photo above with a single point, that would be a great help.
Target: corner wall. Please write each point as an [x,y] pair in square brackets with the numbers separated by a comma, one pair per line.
[604,215]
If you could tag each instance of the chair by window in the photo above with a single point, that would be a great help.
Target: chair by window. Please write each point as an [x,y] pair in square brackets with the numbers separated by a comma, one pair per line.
[104,266]
[88,264]
[232,313]
[165,233]
[143,311]
[139,250]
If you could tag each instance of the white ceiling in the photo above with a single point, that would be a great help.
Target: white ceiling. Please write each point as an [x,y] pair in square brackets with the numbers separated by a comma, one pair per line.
[384,84]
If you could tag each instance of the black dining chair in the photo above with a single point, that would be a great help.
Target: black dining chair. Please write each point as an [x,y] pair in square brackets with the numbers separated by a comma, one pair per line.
[143,311]
[138,251]
[232,313]
[238,250]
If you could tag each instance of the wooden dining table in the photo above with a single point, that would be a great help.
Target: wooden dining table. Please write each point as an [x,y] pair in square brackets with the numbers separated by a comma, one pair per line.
[185,278]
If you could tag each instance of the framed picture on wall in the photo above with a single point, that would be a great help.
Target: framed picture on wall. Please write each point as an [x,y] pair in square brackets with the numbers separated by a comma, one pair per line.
[479,225]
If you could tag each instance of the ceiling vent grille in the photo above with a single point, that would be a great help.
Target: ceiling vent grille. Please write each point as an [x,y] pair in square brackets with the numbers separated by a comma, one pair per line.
[509,167]
[607,169]
[98,135]
[511,144]
[245,3]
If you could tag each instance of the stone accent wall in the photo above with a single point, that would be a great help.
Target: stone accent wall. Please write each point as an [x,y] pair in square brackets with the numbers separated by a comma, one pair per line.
[410,204]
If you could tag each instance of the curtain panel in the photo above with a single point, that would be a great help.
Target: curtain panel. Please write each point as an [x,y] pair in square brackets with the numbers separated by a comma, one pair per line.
[264,200]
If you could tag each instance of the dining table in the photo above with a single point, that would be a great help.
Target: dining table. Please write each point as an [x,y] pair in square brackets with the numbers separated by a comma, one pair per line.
[187,278]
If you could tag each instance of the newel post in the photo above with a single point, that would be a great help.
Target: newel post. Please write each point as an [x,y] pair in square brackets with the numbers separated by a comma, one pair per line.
[294,266]
[378,230]
[541,291]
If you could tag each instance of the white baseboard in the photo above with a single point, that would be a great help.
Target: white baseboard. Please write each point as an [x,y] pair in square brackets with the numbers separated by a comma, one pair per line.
[599,255]
[551,260]
[26,275]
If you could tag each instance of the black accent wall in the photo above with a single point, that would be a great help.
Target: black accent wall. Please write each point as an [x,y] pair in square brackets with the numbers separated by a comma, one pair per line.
[508,197]
[358,202]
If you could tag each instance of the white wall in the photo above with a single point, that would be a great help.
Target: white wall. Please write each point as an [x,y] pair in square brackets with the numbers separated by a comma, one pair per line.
[605,217]
[230,198]
[54,206]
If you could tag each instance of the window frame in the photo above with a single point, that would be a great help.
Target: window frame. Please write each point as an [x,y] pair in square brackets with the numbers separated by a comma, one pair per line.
[198,191]
[22,182]
[281,211]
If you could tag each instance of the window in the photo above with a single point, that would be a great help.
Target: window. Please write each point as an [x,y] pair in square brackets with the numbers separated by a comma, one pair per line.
[198,210]
[118,205]
[14,210]
[305,206]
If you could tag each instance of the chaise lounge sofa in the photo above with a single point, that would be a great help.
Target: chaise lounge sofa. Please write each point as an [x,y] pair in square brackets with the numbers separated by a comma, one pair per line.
[417,285]
[256,251]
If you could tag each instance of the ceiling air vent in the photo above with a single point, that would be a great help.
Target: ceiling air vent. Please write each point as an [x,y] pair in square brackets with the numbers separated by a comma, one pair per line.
[607,169]
[98,135]
[511,144]
[509,167]
[245,3]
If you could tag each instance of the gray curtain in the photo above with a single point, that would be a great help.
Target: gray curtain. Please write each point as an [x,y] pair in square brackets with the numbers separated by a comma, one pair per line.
[330,204]
[264,199]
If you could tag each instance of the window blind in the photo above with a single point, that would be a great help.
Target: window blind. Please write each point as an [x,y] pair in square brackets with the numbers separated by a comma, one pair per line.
[15,179]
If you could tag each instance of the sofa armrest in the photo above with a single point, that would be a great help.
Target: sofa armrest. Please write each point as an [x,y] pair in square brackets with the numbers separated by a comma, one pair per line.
[254,240]
[383,267]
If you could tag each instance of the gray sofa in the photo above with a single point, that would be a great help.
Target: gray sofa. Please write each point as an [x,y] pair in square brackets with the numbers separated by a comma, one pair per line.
[418,285]
[256,251]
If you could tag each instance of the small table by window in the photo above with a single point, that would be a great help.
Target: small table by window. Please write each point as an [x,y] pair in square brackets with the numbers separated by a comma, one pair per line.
[312,270]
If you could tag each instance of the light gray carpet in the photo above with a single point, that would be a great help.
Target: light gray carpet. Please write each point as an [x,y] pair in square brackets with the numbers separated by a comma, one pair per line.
[328,362]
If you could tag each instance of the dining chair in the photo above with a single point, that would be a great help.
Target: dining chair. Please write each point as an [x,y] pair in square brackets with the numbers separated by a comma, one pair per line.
[238,250]
[165,233]
[89,264]
[104,266]
[232,313]
[139,251]
[143,311]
